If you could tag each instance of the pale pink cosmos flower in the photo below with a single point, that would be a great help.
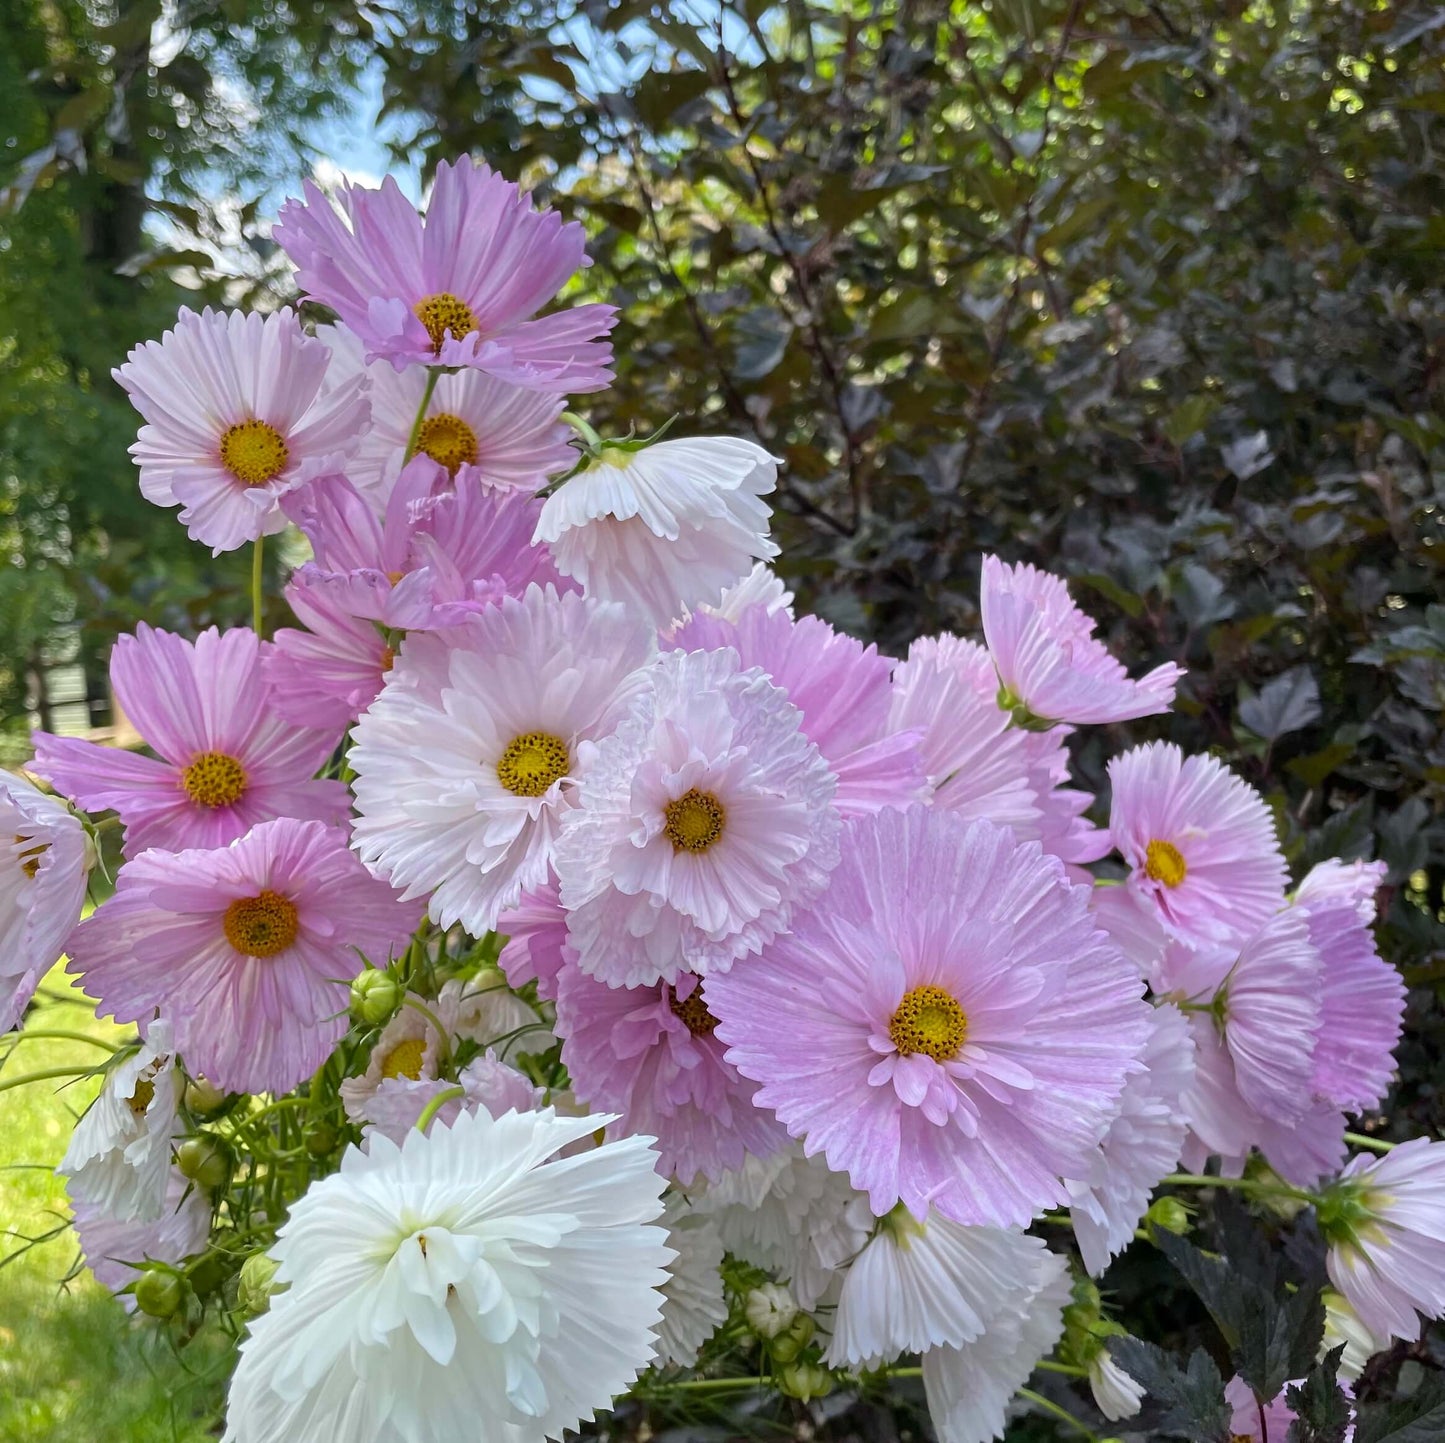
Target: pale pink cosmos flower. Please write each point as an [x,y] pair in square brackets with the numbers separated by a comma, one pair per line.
[702,822]
[44,862]
[461,288]
[649,1054]
[1048,658]
[1348,884]
[667,528]
[510,435]
[945,1024]
[469,761]
[225,760]
[237,417]
[1200,842]
[842,689]
[536,940]
[247,949]
[1386,1237]
[1251,1423]
[445,548]
[395,1108]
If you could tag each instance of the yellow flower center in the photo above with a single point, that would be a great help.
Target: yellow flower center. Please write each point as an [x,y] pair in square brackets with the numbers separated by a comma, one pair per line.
[532,762]
[405,1059]
[214,780]
[928,1020]
[692,1011]
[261,926]
[445,312]
[141,1098]
[694,821]
[31,852]
[448,440]
[388,659]
[253,452]
[1163,862]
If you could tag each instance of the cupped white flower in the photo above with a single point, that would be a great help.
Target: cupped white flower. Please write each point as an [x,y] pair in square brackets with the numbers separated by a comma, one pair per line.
[770,1309]
[120,1152]
[1116,1393]
[467,1283]
[467,761]
[484,1009]
[693,1305]
[1343,1326]
[969,1388]
[666,528]
[934,1284]
[701,823]
[407,1050]
[44,859]
[762,586]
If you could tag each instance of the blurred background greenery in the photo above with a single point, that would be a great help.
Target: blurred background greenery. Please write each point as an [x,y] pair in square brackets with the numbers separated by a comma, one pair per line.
[1149,292]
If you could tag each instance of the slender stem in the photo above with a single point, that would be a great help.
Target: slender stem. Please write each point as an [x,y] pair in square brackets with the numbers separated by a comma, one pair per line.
[257,553]
[435,1104]
[1374,1144]
[44,1075]
[59,1035]
[1246,1184]
[582,428]
[444,1042]
[710,1385]
[105,824]
[1063,1414]
[1068,1370]
[432,372]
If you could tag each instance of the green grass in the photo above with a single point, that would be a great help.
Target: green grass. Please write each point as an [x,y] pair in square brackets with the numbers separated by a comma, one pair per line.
[73,1367]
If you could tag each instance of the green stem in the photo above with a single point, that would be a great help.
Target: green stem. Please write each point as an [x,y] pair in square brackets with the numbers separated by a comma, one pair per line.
[257,553]
[444,1042]
[435,1105]
[1373,1144]
[710,1385]
[582,428]
[1063,1414]
[59,1035]
[432,373]
[1246,1184]
[1068,1370]
[44,1075]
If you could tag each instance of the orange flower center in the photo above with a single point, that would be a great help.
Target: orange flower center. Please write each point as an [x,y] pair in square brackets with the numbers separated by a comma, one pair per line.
[692,1011]
[263,925]
[253,452]
[214,780]
[442,313]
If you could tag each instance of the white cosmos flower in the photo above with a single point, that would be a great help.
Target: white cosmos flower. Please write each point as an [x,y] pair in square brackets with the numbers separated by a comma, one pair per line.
[469,1283]
[969,1388]
[120,1152]
[408,1049]
[467,761]
[1117,1394]
[1343,1325]
[693,1305]
[665,528]
[483,1008]
[935,1284]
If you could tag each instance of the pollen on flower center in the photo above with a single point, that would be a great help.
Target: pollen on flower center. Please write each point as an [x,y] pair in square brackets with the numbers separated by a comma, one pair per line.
[531,762]
[405,1059]
[445,312]
[928,1020]
[214,780]
[692,1011]
[261,926]
[448,440]
[694,821]
[253,452]
[31,852]
[1163,862]
[141,1098]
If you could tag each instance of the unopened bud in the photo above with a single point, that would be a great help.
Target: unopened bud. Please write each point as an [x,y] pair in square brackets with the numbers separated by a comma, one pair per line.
[1169,1215]
[321,1139]
[374,996]
[793,1339]
[769,1310]
[203,1160]
[255,1287]
[159,1294]
[805,1381]
[203,1098]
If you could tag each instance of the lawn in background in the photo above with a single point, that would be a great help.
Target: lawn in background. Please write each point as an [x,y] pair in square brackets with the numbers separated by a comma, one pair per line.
[73,1367]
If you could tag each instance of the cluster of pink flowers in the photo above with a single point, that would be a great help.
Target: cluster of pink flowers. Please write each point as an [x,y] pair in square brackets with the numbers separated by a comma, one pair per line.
[551,808]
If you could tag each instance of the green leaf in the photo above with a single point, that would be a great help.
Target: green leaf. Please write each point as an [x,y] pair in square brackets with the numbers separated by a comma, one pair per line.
[1322,1411]
[1287,704]
[1189,418]
[1193,1397]
[1419,1419]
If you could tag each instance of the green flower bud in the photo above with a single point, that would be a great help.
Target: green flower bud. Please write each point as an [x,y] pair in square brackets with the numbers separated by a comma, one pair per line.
[160,1294]
[805,1381]
[770,1310]
[374,997]
[793,1339]
[203,1159]
[203,1098]
[1169,1215]
[255,1287]
[321,1139]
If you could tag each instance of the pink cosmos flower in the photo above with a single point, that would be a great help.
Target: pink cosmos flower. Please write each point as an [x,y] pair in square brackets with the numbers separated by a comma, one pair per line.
[701,823]
[112,1245]
[1048,658]
[649,1054]
[1200,841]
[327,676]
[536,946]
[508,705]
[226,760]
[236,417]
[1250,1423]
[945,1024]
[461,288]
[396,1106]
[247,949]
[1386,1236]
[509,434]
[1143,1144]
[44,861]
[445,548]
[1349,884]
[842,689]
